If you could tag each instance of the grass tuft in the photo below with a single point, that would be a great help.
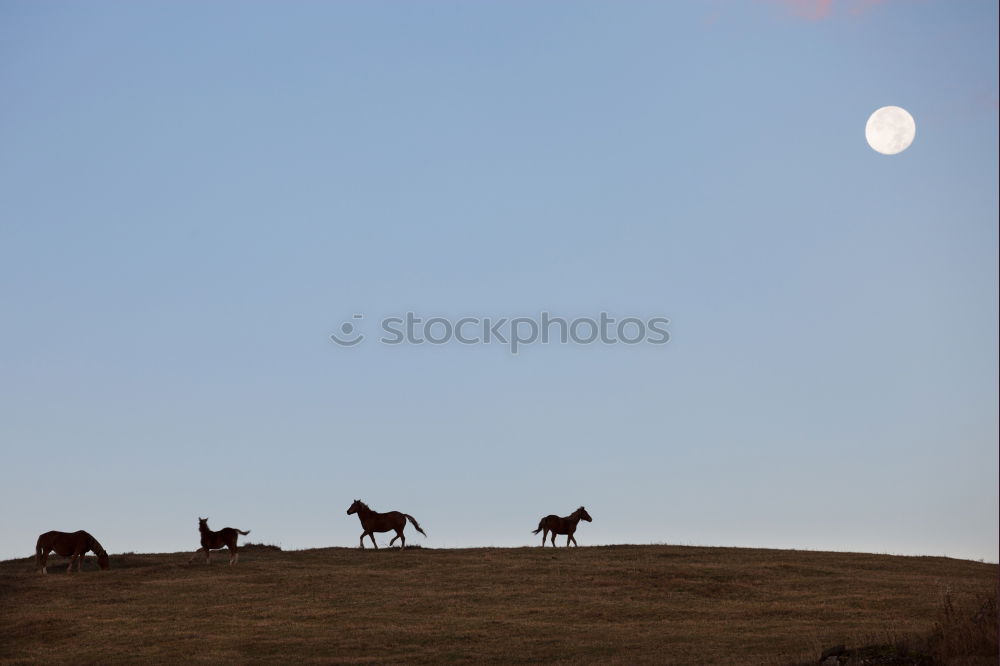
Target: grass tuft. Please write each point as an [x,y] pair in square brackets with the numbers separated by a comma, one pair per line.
[250,546]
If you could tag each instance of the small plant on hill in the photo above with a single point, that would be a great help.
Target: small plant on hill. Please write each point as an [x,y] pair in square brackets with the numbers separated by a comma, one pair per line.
[963,635]
[959,637]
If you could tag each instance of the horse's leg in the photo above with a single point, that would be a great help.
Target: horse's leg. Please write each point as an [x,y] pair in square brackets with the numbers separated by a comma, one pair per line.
[568,538]
[232,554]
[372,536]
[553,538]
[79,561]
[545,535]
[393,539]
[574,540]
[45,561]
[363,540]
[208,555]
[75,558]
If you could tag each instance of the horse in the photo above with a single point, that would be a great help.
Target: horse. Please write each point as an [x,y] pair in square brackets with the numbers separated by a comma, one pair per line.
[566,525]
[373,521]
[73,545]
[210,540]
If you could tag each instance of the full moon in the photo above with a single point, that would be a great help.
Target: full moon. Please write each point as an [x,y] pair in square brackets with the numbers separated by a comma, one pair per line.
[890,130]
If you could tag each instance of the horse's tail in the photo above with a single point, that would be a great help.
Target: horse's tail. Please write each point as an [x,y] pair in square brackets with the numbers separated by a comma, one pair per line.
[541,523]
[415,523]
[241,531]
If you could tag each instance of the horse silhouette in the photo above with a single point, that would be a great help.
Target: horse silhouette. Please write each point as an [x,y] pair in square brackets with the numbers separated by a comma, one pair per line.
[566,525]
[73,545]
[210,540]
[373,521]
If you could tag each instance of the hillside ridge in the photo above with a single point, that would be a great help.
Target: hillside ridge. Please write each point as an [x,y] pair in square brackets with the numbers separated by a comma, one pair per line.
[642,603]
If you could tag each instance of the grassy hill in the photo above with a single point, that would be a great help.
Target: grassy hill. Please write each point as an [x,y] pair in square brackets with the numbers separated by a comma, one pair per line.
[664,604]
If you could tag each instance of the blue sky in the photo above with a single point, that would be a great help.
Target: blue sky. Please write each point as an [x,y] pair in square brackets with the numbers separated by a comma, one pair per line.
[194,196]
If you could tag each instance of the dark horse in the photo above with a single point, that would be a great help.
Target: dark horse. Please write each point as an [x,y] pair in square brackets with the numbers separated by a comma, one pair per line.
[210,540]
[73,545]
[373,521]
[558,525]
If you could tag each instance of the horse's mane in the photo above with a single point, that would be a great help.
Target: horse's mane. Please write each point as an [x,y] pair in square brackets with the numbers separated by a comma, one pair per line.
[364,505]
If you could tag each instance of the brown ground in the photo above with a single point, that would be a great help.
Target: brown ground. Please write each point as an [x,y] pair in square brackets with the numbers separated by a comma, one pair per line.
[625,604]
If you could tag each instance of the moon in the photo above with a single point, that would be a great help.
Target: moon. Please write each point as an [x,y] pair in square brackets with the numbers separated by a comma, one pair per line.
[890,130]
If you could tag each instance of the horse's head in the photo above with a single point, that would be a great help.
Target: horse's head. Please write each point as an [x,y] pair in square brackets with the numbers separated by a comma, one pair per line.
[202,524]
[583,515]
[355,507]
[102,555]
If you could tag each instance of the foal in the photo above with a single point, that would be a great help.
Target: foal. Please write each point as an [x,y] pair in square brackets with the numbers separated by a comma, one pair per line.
[215,540]
[73,545]
[373,521]
[566,525]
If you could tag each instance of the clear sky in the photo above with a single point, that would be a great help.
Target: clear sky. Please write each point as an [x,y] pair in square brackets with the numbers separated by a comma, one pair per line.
[195,196]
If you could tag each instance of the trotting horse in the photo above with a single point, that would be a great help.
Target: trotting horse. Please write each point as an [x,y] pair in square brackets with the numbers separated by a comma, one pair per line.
[558,525]
[210,540]
[73,545]
[373,521]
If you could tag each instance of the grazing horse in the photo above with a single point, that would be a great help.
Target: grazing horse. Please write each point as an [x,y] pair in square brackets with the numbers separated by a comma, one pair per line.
[73,545]
[210,540]
[373,521]
[558,525]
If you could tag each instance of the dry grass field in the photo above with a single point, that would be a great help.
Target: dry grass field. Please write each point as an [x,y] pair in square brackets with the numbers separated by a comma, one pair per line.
[617,604]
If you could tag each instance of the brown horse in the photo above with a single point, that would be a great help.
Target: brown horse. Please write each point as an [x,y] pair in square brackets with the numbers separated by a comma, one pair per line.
[73,545]
[558,525]
[210,541]
[373,521]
